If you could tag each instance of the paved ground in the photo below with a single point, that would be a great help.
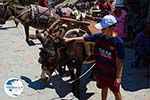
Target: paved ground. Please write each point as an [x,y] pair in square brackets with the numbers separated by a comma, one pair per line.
[17,59]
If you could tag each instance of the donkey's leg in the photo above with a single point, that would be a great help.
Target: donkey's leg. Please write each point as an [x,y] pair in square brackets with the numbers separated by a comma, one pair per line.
[76,84]
[16,20]
[72,72]
[26,27]
[61,70]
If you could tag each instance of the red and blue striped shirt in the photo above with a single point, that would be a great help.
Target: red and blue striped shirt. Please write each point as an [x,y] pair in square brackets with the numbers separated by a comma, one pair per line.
[106,51]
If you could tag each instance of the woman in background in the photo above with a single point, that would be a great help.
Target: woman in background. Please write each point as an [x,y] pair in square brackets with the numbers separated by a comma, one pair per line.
[121,15]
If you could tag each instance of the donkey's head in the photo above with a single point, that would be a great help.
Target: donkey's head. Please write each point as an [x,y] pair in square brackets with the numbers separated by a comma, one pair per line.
[5,12]
[48,51]
[49,54]
[3,8]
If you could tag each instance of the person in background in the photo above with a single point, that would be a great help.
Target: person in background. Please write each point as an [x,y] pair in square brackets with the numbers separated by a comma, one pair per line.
[43,3]
[104,6]
[109,55]
[46,3]
[121,16]
[142,47]
[59,12]
[112,2]
[132,7]
[119,2]
[148,14]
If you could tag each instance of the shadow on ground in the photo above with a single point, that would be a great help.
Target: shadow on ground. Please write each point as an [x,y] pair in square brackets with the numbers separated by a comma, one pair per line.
[62,88]
[37,84]
[84,81]
[62,85]
[134,77]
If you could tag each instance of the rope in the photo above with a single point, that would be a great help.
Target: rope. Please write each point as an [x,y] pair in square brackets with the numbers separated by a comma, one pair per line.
[80,75]
[83,74]
[22,13]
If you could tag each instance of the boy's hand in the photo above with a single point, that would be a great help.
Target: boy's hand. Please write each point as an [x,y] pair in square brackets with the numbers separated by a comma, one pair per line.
[65,39]
[68,39]
[117,82]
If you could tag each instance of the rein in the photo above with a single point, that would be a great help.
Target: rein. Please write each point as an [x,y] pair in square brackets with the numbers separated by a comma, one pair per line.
[23,13]
[78,78]
[26,11]
[83,74]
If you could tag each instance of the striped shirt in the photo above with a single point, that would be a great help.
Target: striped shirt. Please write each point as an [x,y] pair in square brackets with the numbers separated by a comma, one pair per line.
[106,51]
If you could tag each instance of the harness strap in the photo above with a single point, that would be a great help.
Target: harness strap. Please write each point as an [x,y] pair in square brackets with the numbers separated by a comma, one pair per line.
[33,9]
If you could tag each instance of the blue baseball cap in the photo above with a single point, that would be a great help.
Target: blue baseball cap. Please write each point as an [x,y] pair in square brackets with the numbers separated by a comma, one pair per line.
[106,21]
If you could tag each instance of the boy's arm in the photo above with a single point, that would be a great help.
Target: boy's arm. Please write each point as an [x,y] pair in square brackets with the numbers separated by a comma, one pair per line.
[77,39]
[120,55]
[119,72]
[119,67]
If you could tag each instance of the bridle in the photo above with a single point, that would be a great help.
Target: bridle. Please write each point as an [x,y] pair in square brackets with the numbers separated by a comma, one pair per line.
[4,12]
[54,63]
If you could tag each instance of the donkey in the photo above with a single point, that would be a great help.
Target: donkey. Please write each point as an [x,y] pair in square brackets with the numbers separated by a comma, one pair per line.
[34,15]
[57,53]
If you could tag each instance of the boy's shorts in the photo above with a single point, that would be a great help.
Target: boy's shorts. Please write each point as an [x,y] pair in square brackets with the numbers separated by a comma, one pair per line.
[104,83]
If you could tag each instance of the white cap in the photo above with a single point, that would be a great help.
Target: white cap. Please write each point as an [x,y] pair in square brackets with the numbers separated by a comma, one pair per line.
[106,21]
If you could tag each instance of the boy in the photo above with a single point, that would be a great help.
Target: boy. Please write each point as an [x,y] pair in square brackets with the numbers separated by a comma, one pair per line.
[109,55]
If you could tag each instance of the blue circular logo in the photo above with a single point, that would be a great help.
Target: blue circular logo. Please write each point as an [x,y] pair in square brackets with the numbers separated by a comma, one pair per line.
[13,87]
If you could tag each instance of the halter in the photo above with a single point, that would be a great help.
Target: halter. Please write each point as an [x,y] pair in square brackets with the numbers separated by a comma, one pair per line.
[57,56]
[5,12]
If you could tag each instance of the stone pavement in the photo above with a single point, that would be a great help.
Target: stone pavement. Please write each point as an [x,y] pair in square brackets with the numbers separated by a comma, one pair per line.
[17,59]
